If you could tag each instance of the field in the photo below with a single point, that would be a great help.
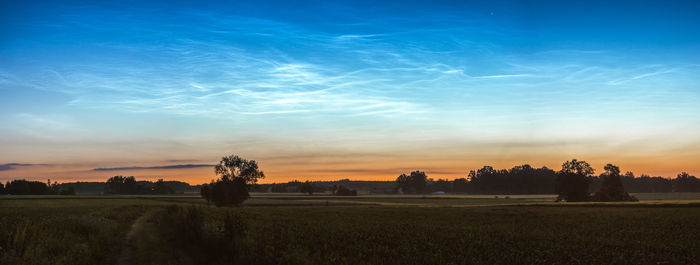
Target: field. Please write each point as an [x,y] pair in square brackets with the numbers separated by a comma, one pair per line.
[367,229]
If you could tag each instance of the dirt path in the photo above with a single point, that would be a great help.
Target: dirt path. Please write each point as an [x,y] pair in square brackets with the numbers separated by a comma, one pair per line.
[128,249]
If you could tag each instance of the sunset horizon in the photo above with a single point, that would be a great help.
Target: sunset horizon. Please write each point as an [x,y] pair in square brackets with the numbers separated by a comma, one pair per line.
[349,132]
[197,173]
[345,89]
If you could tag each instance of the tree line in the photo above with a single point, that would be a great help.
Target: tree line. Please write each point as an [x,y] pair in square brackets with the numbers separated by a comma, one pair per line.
[129,185]
[340,188]
[575,181]
[25,187]
[525,179]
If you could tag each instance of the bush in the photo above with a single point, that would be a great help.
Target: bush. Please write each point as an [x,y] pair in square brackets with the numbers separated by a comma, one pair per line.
[343,191]
[189,236]
[611,190]
[226,192]
[237,175]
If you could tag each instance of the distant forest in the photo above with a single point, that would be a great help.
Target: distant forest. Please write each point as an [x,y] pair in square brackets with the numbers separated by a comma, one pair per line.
[487,180]
[114,185]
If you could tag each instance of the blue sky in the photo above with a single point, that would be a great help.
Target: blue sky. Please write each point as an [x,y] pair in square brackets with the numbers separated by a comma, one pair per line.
[362,89]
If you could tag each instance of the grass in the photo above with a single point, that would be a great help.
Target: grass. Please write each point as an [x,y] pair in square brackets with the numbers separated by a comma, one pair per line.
[438,235]
[369,229]
[66,231]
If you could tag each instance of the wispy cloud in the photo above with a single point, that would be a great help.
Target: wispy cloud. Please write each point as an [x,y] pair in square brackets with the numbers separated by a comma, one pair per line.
[202,77]
[639,76]
[184,166]
[11,166]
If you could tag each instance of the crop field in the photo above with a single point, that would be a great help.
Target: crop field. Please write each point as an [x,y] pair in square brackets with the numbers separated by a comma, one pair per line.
[65,231]
[367,229]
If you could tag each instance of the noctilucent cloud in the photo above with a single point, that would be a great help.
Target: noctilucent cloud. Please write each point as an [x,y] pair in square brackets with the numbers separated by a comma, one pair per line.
[356,89]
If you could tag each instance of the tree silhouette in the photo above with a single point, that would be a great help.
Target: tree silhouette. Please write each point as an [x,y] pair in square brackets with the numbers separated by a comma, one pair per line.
[684,182]
[306,187]
[162,188]
[611,189]
[236,177]
[415,182]
[120,185]
[573,181]
[343,191]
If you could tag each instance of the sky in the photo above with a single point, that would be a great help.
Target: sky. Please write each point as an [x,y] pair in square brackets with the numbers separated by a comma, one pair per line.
[326,90]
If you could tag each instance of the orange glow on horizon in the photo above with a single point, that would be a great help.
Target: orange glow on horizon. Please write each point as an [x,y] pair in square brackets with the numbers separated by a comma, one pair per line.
[384,170]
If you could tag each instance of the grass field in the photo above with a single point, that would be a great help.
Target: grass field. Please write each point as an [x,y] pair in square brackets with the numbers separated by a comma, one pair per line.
[368,229]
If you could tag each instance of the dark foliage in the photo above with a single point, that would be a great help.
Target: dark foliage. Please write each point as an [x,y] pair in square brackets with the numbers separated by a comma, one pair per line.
[416,182]
[611,188]
[573,181]
[160,187]
[343,191]
[684,182]
[237,175]
[307,187]
[226,192]
[645,183]
[146,187]
[184,230]
[129,185]
[24,187]
[85,187]
[317,186]
[120,185]
[522,179]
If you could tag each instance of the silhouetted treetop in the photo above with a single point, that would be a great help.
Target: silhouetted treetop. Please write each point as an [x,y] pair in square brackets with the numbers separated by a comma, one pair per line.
[415,182]
[611,188]
[573,181]
[237,175]
[233,166]
[574,166]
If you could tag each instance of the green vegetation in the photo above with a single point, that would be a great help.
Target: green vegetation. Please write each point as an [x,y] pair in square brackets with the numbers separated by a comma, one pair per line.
[377,229]
[400,235]
[65,231]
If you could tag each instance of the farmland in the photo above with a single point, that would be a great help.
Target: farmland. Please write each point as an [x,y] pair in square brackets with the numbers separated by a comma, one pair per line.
[374,229]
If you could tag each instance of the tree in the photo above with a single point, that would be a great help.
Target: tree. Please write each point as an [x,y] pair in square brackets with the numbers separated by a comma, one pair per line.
[573,181]
[307,187]
[684,182]
[120,185]
[460,185]
[24,187]
[234,167]
[162,188]
[403,182]
[237,175]
[611,188]
[443,185]
[2,189]
[415,182]
[343,191]
[205,192]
